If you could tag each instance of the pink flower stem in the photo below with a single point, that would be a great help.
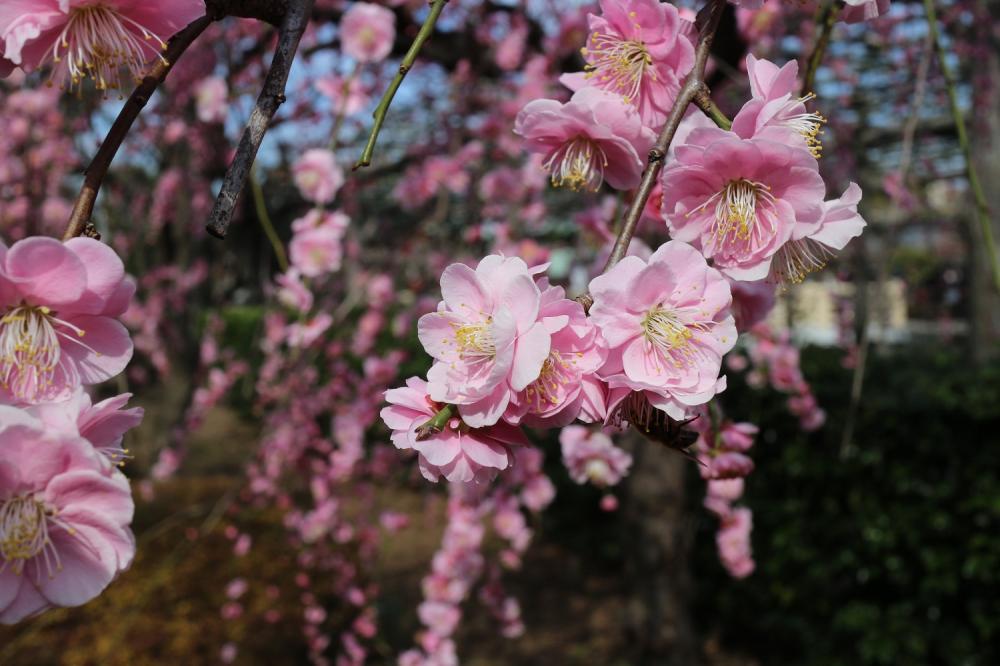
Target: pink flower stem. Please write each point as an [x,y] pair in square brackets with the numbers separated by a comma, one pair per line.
[408,60]
[708,23]
[83,208]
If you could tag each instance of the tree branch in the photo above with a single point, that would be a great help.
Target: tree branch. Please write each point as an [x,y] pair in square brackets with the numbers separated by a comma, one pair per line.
[825,20]
[83,208]
[693,88]
[293,25]
[408,60]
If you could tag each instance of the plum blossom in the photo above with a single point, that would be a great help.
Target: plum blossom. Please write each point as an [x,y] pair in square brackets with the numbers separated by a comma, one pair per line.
[211,99]
[857,11]
[733,543]
[739,200]
[103,424]
[840,223]
[346,94]
[91,38]
[64,518]
[636,49]
[565,384]
[592,138]
[591,456]
[752,302]
[58,303]
[667,324]
[485,337]
[458,453]
[367,32]
[318,176]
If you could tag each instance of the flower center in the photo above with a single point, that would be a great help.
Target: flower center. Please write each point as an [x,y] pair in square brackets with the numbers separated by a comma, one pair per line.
[30,349]
[556,373]
[577,164]
[667,332]
[24,533]
[618,64]
[476,340]
[98,40]
[797,259]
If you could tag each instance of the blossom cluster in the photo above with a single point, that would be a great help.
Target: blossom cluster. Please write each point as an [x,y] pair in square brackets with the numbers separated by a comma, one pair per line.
[65,507]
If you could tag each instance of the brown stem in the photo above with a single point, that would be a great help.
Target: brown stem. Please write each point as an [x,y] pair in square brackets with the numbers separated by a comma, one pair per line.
[293,25]
[708,23]
[825,21]
[94,175]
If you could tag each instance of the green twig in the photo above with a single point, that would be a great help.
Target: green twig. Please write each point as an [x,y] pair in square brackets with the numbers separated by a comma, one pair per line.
[982,207]
[825,20]
[436,424]
[712,110]
[411,56]
[265,221]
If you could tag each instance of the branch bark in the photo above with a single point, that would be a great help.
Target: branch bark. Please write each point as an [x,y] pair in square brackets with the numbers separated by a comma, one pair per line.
[293,25]
[98,169]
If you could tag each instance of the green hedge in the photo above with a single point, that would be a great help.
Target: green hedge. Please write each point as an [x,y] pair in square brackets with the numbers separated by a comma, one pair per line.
[887,555]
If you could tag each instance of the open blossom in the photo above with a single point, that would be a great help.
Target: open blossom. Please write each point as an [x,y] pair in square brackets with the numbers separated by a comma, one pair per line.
[740,200]
[64,517]
[346,94]
[591,456]
[211,97]
[318,176]
[458,453]
[103,424]
[565,384]
[485,337]
[316,252]
[775,105]
[636,49]
[592,138]
[367,32]
[91,38]
[667,324]
[840,222]
[58,303]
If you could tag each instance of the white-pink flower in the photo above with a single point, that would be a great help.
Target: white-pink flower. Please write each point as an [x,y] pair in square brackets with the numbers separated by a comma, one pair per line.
[636,49]
[592,138]
[91,38]
[591,456]
[318,176]
[733,542]
[564,385]
[485,337]
[458,453]
[739,200]
[211,99]
[64,518]
[857,11]
[367,32]
[58,304]
[667,324]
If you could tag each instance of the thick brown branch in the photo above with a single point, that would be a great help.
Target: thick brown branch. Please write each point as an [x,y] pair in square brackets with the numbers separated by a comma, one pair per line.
[273,94]
[270,11]
[94,176]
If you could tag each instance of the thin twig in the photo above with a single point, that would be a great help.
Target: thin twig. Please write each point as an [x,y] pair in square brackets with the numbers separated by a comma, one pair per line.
[705,102]
[260,205]
[982,207]
[825,21]
[408,60]
[694,86]
[271,97]
[98,169]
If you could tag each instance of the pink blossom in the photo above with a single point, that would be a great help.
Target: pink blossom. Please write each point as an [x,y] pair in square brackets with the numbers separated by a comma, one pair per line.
[840,223]
[636,49]
[367,32]
[316,252]
[346,94]
[739,200]
[775,106]
[318,176]
[733,542]
[576,352]
[458,452]
[591,456]
[304,334]
[485,337]
[667,324]
[91,38]
[752,302]
[103,425]
[592,138]
[292,292]
[64,517]
[857,11]
[211,98]
[58,302]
